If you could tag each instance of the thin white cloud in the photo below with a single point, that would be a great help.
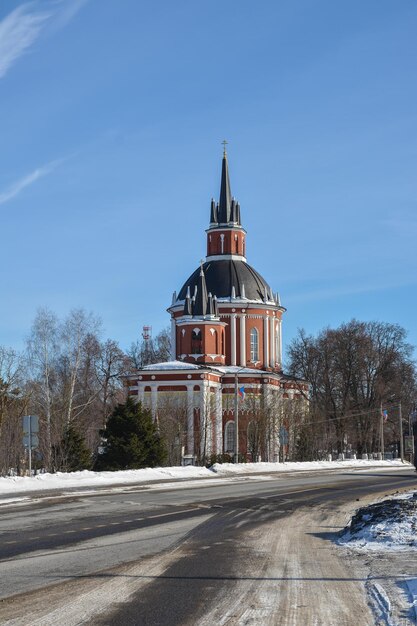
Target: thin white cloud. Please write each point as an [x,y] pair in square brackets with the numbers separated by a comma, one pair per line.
[18,31]
[15,189]
[68,10]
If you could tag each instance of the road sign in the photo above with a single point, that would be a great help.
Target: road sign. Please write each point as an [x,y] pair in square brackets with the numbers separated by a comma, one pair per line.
[30,423]
[409,444]
[283,436]
[34,441]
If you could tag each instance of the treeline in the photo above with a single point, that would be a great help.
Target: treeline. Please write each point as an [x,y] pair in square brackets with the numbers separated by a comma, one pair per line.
[354,371]
[72,379]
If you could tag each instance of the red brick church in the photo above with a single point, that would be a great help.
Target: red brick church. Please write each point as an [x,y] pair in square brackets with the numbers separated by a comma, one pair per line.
[226,336]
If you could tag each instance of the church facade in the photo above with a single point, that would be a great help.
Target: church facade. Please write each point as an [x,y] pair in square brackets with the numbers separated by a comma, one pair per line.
[226,362]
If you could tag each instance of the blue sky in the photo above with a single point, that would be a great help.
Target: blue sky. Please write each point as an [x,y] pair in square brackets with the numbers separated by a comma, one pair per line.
[111,121]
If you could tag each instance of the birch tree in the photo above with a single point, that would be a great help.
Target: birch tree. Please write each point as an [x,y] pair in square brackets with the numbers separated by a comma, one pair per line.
[43,351]
[75,334]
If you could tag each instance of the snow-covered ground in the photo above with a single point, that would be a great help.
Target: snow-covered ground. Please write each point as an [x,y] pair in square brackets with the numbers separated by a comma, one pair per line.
[283,551]
[390,524]
[60,480]
[386,532]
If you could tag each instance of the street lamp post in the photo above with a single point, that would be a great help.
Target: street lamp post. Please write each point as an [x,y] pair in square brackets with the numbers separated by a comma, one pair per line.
[401,435]
[382,433]
[237,413]
[400,418]
[236,419]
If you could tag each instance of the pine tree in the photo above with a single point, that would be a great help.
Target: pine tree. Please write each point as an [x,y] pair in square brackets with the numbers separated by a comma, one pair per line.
[131,439]
[72,454]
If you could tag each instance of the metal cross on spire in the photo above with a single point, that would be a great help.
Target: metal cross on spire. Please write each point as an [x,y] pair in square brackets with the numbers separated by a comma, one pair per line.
[224,142]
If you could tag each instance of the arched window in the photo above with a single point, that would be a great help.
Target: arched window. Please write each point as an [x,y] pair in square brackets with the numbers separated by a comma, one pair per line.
[229,437]
[182,341]
[254,345]
[196,341]
[216,342]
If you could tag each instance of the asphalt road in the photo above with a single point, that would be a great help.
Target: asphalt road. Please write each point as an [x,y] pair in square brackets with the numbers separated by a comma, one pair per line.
[165,556]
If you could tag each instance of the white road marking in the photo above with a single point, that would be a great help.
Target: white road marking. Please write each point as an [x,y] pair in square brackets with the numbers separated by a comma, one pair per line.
[290,493]
[172,513]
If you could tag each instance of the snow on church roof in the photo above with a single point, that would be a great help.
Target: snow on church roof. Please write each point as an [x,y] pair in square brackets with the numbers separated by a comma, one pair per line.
[172,365]
[236,369]
[223,369]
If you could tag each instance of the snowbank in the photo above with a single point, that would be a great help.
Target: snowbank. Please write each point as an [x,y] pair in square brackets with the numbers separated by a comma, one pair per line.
[227,469]
[390,524]
[60,480]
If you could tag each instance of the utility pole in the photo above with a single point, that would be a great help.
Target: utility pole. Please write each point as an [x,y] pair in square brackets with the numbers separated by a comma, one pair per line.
[30,445]
[411,417]
[382,434]
[401,434]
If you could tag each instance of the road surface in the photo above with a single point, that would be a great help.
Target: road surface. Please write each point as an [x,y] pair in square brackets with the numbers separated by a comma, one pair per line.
[242,551]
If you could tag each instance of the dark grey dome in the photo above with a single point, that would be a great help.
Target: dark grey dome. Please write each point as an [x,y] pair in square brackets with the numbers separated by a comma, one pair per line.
[222,276]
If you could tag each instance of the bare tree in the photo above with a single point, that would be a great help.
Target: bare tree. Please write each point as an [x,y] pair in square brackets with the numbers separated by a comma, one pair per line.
[43,350]
[10,379]
[74,378]
[13,404]
[352,371]
[155,350]
[76,333]
[111,365]
[172,423]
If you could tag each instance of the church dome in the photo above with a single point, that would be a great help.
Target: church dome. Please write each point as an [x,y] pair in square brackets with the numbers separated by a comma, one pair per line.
[229,278]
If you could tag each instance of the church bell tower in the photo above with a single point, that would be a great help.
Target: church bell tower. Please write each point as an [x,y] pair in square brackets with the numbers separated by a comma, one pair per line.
[226,313]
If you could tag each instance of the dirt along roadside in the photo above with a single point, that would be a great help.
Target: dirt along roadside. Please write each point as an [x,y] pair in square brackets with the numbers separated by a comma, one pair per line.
[294,576]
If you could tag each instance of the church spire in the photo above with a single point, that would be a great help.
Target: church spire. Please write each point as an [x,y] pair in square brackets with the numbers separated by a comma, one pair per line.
[201,300]
[224,213]
[227,210]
